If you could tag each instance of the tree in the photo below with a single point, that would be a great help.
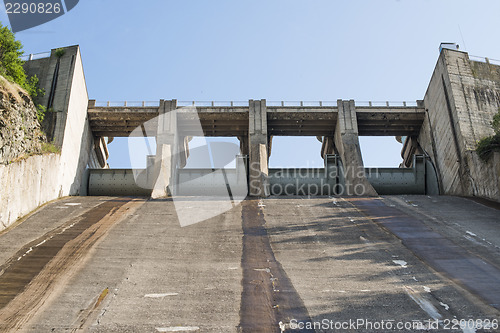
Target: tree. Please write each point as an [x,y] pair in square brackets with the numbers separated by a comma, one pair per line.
[11,65]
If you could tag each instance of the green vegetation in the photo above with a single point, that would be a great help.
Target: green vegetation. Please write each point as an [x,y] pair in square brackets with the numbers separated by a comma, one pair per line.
[60,52]
[50,148]
[11,66]
[488,145]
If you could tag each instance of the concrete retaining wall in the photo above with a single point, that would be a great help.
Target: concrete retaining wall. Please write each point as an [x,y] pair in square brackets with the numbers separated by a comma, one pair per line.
[39,179]
[28,184]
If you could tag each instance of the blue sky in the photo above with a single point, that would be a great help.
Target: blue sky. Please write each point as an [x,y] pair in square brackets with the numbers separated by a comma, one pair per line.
[278,50]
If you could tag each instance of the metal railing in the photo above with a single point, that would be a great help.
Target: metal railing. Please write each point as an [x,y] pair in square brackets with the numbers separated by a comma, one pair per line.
[212,103]
[35,56]
[245,103]
[302,103]
[386,104]
[127,103]
[485,60]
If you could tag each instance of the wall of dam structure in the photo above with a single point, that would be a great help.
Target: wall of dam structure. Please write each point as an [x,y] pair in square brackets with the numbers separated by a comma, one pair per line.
[460,102]
[444,127]
[33,181]
[441,132]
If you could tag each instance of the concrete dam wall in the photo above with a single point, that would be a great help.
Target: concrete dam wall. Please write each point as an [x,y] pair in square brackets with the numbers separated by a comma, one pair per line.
[439,135]
[462,98]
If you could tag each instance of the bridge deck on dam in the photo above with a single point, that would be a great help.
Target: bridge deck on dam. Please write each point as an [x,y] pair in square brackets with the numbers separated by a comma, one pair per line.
[106,264]
[120,121]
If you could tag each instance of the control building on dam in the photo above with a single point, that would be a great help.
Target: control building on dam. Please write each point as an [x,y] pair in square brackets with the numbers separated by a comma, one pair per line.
[439,133]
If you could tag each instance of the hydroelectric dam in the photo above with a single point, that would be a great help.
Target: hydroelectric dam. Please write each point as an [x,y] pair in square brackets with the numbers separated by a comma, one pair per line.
[241,246]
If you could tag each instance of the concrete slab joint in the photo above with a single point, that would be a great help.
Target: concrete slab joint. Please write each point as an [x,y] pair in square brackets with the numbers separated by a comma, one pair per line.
[258,149]
[347,144]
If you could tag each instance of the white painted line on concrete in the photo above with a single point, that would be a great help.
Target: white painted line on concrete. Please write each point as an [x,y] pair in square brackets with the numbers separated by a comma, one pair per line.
[364,240]
[401,263]
[160,295]
[471,233]
[73,204]
[445,306]
[267,270]
[423,304]
[178,329]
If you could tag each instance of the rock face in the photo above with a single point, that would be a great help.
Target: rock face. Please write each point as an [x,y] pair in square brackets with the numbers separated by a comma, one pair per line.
[20,133]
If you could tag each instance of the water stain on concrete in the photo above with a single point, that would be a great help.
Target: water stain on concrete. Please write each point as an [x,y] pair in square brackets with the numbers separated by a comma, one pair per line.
[28,278]
[269,300]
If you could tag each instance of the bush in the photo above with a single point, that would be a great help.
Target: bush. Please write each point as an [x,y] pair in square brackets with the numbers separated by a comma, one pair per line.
[496,122]
[486,147]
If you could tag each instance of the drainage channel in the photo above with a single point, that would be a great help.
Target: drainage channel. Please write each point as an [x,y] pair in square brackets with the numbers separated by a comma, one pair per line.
[269,300]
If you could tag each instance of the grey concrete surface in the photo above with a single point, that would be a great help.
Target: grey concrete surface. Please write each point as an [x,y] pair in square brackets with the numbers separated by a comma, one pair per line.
[41,221]
[463,221]
[159,276]
[151,275]
[344,266]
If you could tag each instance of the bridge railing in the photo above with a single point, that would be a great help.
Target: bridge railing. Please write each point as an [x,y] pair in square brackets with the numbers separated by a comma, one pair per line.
[245,103]
[485,60]
[127,103]
[302,103]
[212,103]
[386,103]
[35,56]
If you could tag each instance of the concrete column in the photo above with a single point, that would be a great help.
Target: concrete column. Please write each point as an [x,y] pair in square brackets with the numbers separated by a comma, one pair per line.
[347,144]
[258,149]
[167,143]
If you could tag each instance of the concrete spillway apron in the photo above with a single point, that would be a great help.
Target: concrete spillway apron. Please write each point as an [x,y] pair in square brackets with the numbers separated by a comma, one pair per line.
[473,273]
[269,300]
[30,276]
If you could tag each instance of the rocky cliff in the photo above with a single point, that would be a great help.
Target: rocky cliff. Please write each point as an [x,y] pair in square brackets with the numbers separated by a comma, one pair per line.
[20,133]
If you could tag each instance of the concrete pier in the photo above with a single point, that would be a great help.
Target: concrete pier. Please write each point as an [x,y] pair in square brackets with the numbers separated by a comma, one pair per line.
[258,153]
[347,143]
